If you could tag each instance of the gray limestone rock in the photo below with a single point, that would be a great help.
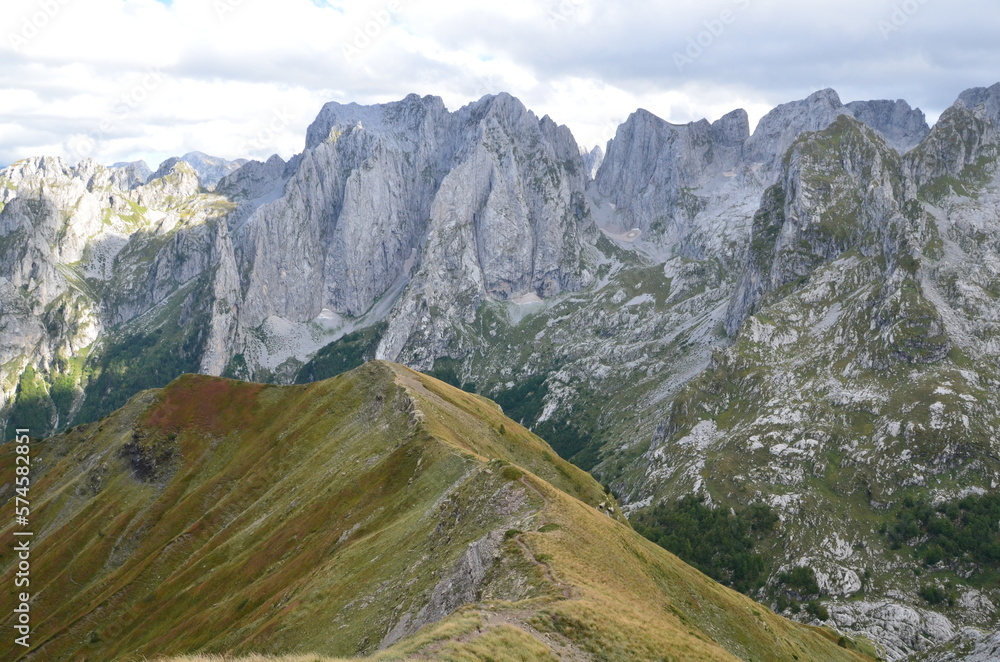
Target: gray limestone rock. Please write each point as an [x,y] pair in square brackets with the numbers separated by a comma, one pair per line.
[988,97]
[484,234]
[899,630]
[128,175]
[592,160]
[656,173]
[902,127]
[778,129]
[211,169]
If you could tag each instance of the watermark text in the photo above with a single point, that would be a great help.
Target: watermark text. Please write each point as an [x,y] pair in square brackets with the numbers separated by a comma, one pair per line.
[22,538]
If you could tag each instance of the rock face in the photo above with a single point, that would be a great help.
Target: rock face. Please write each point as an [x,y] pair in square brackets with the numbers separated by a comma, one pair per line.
[512,224]
[83,251]
[592,160]
[864,326]
[653,170]
[902,127]
[462,585]
[211,169]
[693,188]
[988,97]
[971,645]
[131,174]
[778,129]
[839,190]
[961,145]
[899,630]
[485,203]
[816,300]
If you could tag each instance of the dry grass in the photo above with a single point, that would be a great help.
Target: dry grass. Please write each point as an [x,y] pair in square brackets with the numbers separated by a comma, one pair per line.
[249,658]
[311,518]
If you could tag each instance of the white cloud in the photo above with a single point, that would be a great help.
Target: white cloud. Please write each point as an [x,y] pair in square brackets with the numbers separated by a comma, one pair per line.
[125,79]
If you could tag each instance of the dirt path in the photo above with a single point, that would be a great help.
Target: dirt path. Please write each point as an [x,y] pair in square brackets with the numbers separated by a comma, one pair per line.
[562,648]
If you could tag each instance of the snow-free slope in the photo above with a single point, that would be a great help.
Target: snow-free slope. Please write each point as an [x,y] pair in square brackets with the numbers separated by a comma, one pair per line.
[341,517]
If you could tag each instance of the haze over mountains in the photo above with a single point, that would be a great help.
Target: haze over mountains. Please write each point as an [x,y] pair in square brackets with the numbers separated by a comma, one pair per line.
[805,317]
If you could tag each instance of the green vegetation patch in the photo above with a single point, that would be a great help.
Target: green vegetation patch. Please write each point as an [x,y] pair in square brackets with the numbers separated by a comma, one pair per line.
[32,406]
[572,438]
[342,355]
[716,541]
[935,595]
[801,579]
[962,531]
[448,371]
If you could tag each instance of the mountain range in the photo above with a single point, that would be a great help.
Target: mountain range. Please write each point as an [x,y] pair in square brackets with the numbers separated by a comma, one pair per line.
[803,317]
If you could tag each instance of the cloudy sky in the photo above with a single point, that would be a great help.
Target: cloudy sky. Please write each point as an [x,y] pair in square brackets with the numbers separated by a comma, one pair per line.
[128,79]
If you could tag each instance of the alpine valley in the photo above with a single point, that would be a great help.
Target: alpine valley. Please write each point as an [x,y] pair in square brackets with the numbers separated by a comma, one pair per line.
[799,326]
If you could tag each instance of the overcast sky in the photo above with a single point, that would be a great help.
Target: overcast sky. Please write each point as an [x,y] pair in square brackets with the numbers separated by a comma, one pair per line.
[146,79]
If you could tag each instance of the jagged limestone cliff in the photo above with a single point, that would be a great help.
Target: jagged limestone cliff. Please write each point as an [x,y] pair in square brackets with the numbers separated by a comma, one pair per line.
[705,291]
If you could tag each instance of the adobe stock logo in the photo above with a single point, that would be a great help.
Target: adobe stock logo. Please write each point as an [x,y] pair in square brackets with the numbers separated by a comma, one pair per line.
[225,7]
[264,140]
[901,14]
[370,31]
[87,145]
[705,39]
[31,26]
[560,13]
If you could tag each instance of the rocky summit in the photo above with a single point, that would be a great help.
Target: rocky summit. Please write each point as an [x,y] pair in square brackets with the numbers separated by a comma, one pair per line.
[802,318]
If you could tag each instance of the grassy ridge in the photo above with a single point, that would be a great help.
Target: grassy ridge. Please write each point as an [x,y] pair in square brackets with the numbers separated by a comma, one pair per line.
[219,517]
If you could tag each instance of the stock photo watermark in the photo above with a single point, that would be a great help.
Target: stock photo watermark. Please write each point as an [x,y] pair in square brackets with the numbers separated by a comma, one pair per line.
[22,537]
[561,12]
[280,119]
[365,35]
[714,28]
[900,15]
[86,145]
[33,24]
[486,84]
[225,7]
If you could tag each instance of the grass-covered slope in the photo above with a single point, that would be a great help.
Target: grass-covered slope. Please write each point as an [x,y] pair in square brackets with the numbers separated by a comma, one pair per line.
[379,509]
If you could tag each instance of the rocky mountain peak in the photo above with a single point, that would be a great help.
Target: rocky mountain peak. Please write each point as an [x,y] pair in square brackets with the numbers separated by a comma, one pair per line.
[779,128]
[400,117]
[901,126]
[467,242]
[989,97]
[592,160]
[660,175]
[839,188]
[733,128]
[254,179]
[36,168]
[964,143]
[211,169]
[208,169]
[175,165]
[128,175]
[174,179]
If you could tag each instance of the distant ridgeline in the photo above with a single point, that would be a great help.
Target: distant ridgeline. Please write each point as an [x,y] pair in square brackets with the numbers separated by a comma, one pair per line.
[796,323]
